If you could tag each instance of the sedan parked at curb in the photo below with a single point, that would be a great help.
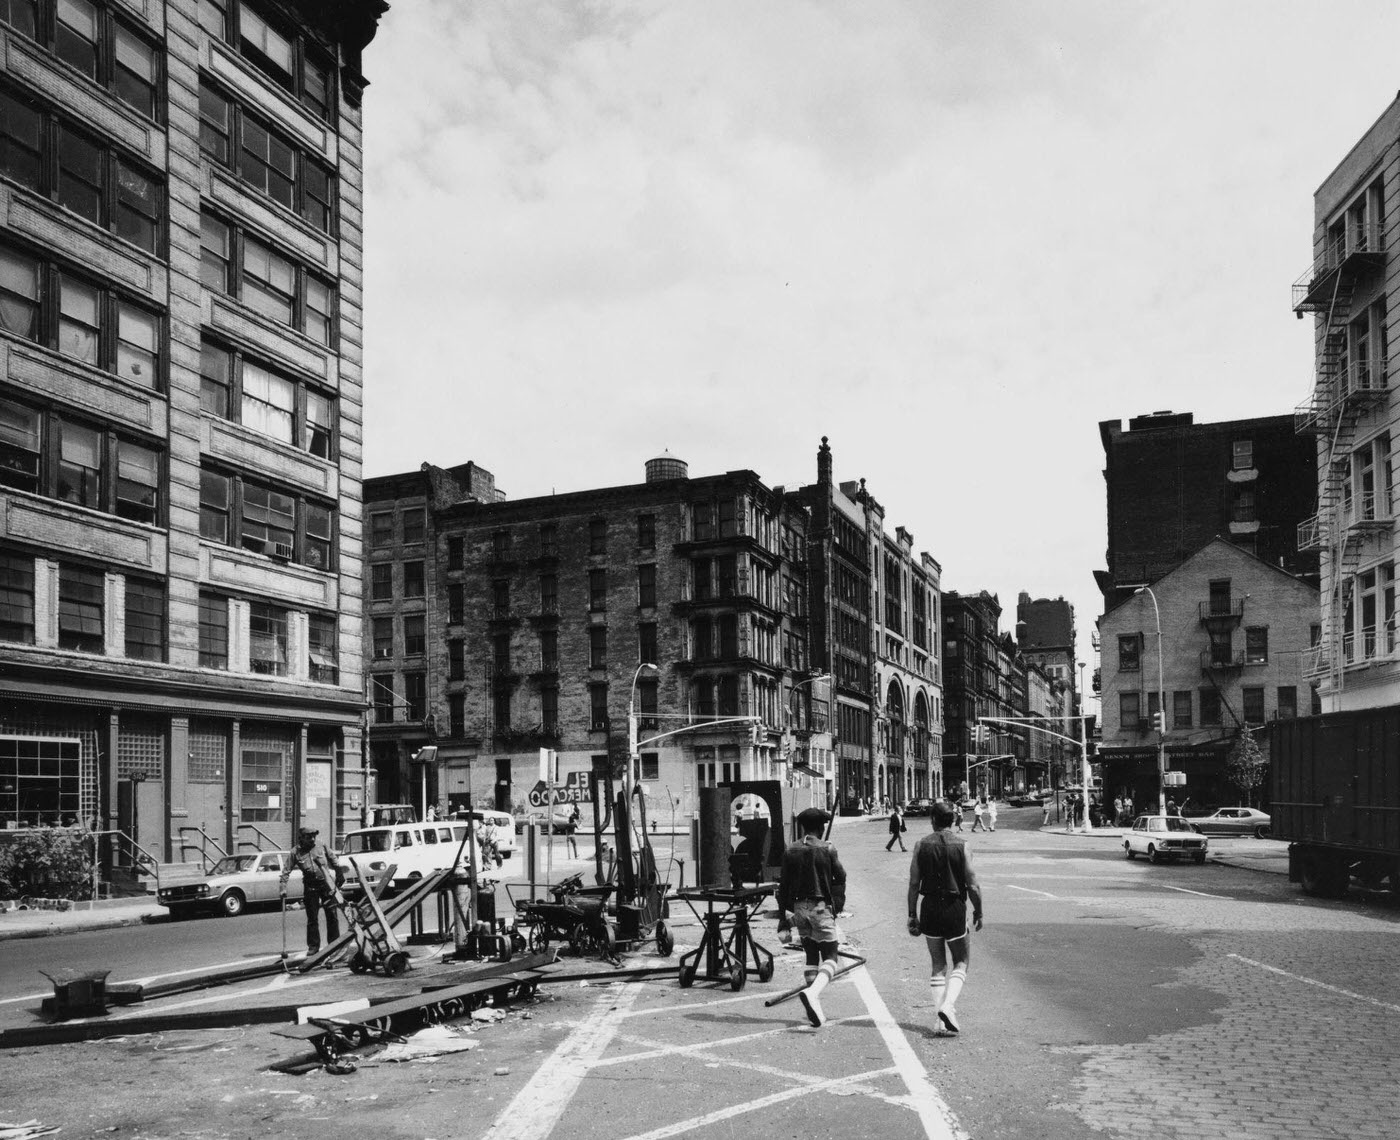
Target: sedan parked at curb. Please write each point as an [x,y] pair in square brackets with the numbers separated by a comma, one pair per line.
[1162,837]
[233,884]
[1234,821]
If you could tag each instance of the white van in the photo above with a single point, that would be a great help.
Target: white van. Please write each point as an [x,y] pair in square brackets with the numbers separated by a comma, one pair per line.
[498,825]
[413,849]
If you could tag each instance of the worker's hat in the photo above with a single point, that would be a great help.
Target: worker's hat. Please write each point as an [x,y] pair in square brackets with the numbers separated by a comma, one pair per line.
[308,831]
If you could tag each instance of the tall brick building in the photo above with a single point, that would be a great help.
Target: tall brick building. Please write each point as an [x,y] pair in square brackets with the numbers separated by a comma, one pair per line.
[180,418]
[540,613]
[1173,485]
[1349,418]
[985,676]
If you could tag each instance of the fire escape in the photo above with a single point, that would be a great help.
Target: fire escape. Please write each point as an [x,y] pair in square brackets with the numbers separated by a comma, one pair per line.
[1348,384]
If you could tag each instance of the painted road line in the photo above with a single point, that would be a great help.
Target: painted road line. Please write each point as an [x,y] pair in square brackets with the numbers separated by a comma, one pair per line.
[934,1113]
[705,1052]
[1314,982]
[1031,891]
[692,1005]
[1200,894]
[682,1126]
[538,1107]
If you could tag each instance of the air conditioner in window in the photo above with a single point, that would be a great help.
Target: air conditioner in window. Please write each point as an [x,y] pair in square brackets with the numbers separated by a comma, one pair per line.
[282,550]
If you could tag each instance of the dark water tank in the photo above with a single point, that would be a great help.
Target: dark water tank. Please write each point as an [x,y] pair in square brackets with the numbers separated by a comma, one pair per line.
[666,466]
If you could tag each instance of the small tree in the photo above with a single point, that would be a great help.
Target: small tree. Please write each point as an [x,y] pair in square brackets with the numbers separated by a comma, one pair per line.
[1246,765]
[47,863]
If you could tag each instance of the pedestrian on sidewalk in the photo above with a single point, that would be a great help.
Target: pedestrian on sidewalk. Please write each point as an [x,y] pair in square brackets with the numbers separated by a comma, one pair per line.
[320,884]
[811,893]
[991,813]
[941,874]
[897,827]
[1045,811]
[569,835]
[978,807]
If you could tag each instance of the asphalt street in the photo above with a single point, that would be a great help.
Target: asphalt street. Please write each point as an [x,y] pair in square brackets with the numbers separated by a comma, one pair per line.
[1106,997]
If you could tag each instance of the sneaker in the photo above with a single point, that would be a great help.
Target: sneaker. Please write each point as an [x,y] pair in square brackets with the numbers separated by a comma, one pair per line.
[813,1008]
[949,1016]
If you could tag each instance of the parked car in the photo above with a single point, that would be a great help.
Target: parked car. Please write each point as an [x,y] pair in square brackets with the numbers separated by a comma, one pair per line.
[413,850]
[1162,837]
[233,884]
[1023,799]
[918,807]
[563,819]
[1234,821]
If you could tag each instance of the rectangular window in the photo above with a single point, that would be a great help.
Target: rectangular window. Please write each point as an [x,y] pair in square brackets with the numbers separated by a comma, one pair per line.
[413,579]
[456,551]
[79,465]
[598,536]
[383,634]
[646,701]
[456,660]
[215,254]
[729,696]
[500,545]
[16,599]
[267,639]
[381,530]
[19,292]
[415,695]
[549,651]
[1129,711]
[1181,709]
[646,586]
[598,707]
[138,482]
[20,446]
[137,211]
[324,649]
[1242,454]
[81,595]
[213,631]
[1256,645]
[456,603]
[1210,708]
[1129,652]
[500,654]
[500,703]
[646,532]
[549,594]
[500,598]
[215,380]
[414,525]
[381,581]
[1287,702]
[269,403]
[549,711]
[318,544]
[415,635]
[1253,702]
[215,506]
[145,620]
[382,695]
[268,521]
[215,124]
[80,312]
[549,540]
[597,647]
[269,282]
[597,590]
[268,161]
[456,715]
[646,643]
[318,426]
[260,788]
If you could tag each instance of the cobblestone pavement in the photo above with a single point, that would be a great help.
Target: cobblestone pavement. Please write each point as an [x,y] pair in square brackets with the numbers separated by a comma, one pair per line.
[1296,1034]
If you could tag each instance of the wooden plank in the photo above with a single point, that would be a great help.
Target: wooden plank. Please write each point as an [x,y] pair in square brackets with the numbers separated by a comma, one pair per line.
[67,1032]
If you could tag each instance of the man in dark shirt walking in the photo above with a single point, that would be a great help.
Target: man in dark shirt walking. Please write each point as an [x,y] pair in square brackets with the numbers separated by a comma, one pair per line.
[941,873]
[812,892]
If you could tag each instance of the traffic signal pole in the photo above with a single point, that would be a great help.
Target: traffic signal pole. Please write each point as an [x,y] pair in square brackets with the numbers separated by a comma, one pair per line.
[1083,742]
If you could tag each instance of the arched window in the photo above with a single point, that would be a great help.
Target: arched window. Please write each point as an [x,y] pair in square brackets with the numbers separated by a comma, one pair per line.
[894,707]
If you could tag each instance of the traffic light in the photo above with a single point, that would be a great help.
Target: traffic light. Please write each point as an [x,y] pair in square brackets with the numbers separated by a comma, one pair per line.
[1159,721]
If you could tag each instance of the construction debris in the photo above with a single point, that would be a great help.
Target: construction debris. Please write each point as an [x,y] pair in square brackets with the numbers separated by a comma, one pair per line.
[25,1131]
[435,1041]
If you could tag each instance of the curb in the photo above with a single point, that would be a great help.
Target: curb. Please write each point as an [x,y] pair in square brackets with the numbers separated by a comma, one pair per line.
[97,922]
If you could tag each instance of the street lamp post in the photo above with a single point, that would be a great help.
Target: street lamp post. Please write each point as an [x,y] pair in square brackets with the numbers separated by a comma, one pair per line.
[633,755]
[1161,707]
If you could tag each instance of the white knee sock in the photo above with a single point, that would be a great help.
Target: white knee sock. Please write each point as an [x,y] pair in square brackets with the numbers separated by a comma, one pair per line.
[824,974]
[955,984]
[938,990]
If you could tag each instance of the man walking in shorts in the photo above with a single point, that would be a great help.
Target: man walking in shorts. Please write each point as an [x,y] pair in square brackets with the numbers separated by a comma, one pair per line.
[941,874]
[812,892]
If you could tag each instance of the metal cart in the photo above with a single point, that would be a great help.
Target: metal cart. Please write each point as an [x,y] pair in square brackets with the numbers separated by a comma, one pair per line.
[728,945]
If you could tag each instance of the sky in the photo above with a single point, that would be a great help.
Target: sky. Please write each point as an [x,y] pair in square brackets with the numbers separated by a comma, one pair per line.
[951,237]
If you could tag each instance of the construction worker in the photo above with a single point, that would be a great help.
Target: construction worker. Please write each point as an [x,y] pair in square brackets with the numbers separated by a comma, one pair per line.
[320,880]
[811,893]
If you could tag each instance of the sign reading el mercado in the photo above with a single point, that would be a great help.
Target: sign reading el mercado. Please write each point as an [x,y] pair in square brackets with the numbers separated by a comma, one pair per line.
[574,790]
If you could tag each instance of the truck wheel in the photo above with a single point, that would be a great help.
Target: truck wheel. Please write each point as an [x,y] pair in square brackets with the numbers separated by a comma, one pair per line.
[1325,877]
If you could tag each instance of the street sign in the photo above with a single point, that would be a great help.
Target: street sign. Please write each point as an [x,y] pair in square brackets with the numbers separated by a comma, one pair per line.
[574,790]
